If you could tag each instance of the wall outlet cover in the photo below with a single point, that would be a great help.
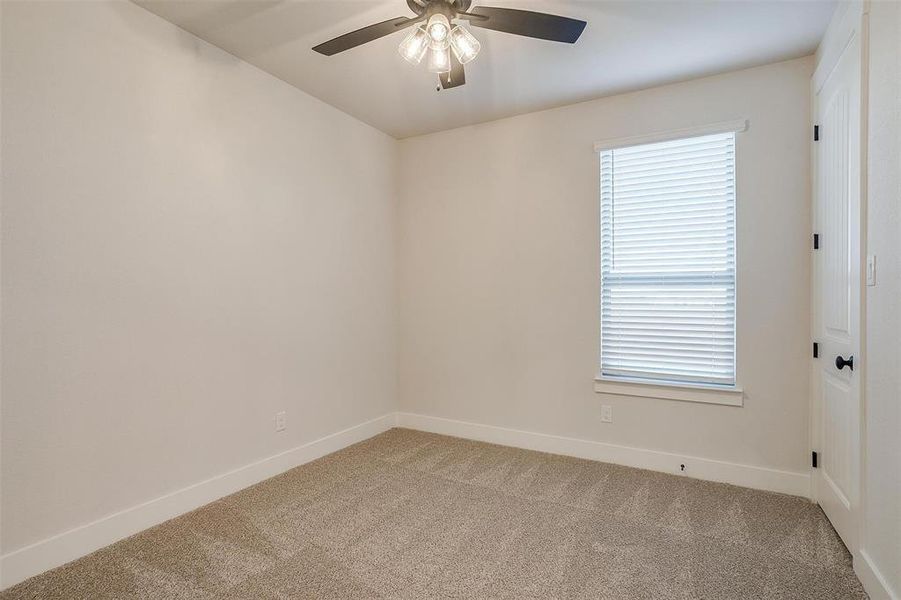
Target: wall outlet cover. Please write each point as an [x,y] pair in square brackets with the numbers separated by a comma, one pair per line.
[606,413]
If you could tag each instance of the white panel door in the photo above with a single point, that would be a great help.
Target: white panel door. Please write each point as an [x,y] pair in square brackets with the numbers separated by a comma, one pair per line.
[837,291]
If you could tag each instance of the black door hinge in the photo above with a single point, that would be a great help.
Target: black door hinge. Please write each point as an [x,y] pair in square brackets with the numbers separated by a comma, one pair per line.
[816,133]
[813,459]
[816,350]
[816,241]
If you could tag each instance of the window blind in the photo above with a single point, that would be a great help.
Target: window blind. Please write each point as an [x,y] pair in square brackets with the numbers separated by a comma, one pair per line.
[668,261]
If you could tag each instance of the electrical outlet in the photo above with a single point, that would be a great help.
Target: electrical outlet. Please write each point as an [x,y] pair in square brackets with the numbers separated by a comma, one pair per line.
[606,413]
[281,421]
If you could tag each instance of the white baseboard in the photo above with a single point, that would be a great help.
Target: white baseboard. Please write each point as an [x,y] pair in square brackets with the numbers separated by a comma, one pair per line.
[874,583]
[60,549]
[774,480]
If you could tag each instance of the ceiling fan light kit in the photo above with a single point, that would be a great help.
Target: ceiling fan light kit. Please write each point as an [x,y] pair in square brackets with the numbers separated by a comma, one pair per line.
[439,60]
[450,45]
[438,28]
[464,44]
[415,45]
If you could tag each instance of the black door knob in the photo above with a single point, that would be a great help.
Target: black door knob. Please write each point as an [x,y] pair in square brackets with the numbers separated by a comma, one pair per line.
[841,363]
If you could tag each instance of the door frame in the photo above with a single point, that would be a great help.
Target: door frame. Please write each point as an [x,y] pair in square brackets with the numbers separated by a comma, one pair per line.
[841,32]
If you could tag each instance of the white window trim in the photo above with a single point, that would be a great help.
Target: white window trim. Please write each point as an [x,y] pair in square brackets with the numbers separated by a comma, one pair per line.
[686,392]
[734,126]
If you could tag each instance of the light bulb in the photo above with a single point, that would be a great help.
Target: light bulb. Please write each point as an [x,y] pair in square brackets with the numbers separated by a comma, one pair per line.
[465,45]
[438,28]
[414,46]
[439,60]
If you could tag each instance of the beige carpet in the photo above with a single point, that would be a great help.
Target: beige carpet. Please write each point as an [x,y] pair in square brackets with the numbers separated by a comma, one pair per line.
[416,515]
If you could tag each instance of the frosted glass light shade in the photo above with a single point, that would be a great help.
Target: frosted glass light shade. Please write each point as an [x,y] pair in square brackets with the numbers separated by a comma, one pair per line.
[414,46]
[464,44]
[438,28]
[439,60]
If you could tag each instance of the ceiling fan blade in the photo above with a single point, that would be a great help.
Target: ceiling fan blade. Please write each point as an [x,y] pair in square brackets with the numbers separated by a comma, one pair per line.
[456,76]
[527,23]
[364,35]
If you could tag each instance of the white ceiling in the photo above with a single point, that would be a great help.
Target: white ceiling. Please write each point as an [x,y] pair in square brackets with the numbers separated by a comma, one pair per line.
[627,45]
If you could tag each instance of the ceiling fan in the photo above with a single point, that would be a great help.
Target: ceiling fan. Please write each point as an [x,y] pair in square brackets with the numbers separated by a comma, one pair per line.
[450,45]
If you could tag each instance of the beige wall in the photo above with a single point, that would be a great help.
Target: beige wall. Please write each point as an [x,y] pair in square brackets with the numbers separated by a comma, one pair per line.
[881,540]
[188,246]
[498,271]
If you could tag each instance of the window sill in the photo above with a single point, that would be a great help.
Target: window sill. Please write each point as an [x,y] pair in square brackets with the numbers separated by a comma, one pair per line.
[729,396]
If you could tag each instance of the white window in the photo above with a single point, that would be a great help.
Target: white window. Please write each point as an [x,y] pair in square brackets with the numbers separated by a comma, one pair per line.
[668,261]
